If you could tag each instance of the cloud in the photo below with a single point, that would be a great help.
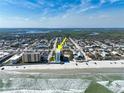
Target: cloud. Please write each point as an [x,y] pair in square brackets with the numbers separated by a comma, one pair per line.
[69,20]
[61,13]
[113,1]
[60,6]
[23,3]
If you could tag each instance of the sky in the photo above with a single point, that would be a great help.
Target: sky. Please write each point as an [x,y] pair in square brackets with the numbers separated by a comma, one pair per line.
[61,13]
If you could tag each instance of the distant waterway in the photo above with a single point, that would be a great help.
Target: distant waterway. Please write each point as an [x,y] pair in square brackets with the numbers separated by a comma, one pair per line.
[45,83]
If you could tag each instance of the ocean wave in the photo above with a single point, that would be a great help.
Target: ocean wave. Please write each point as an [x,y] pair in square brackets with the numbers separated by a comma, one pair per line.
[33,85]
[117,86]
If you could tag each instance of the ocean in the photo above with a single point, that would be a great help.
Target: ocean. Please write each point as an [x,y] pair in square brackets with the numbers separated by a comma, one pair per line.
[46,83]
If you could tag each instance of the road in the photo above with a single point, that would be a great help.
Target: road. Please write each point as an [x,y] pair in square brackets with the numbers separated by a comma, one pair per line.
[79,48]
[54,48]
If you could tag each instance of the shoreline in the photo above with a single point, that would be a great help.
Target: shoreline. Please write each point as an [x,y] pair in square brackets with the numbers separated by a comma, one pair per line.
[69,68]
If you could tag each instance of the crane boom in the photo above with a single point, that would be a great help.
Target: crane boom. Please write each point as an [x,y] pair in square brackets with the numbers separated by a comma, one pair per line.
[60,46]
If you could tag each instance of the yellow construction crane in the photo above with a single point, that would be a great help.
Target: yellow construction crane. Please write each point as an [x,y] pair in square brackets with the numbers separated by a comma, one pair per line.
[58,50]
[60,46]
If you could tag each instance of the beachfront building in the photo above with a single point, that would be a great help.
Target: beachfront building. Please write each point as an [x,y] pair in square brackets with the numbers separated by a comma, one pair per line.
[30,57]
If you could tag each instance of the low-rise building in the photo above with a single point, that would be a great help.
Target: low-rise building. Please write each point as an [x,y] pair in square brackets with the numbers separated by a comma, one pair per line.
[16,58]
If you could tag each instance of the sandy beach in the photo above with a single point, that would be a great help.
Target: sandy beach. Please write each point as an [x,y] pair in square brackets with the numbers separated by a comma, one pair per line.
[70,68]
